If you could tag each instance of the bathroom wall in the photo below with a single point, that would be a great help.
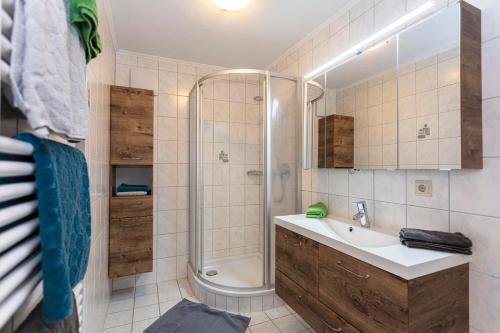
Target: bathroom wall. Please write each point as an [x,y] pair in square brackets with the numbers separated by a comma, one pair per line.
[100,75]
[232,125]
[465,201]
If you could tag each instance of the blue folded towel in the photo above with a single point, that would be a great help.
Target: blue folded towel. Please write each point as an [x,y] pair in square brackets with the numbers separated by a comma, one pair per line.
[62,188]
[132,188]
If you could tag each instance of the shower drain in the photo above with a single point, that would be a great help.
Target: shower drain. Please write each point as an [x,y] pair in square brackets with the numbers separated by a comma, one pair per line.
[211,272]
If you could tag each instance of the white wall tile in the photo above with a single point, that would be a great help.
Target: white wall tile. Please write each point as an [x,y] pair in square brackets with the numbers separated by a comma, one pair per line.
[390,186]
[491,127]
[484,305]
[484,232]
[439,198]
[144,78]
[427,218]
[474,191]
[390,217]
[491,68]
[361,184]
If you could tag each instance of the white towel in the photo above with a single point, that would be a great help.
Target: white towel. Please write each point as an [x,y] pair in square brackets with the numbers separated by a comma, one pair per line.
[124,194]
[48,69]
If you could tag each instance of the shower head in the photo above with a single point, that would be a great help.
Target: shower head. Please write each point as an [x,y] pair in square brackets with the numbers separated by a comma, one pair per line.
[258,98]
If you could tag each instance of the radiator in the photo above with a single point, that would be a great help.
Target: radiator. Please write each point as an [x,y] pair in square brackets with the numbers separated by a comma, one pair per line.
[20,257]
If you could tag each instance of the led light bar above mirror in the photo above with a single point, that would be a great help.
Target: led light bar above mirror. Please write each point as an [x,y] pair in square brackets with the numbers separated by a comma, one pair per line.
[373,40]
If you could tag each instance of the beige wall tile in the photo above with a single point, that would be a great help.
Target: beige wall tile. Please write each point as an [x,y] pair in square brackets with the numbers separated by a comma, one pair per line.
[427,218]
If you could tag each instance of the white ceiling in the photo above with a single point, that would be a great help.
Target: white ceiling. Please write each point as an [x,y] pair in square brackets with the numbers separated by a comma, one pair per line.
[196,30]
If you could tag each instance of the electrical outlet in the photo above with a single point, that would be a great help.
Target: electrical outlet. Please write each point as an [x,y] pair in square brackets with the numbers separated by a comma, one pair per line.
[423,188]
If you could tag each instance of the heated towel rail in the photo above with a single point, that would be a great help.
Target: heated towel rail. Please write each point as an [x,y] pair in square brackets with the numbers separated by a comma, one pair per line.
[7,24]
[20,257]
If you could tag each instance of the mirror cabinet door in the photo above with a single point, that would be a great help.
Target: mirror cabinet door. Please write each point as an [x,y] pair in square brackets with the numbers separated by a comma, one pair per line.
[429,93]
[362,94]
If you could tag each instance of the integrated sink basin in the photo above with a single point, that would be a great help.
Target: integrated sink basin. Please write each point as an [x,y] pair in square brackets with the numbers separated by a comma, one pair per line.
[379,249]
[359,236]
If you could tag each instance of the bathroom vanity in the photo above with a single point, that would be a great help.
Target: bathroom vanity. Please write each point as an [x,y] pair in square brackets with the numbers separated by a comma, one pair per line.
[344,278]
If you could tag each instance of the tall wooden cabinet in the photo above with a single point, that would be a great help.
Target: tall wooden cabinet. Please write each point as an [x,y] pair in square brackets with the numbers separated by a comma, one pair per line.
[131,147]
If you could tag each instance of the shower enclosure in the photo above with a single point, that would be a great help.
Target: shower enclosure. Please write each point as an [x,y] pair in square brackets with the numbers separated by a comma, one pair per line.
[244,138]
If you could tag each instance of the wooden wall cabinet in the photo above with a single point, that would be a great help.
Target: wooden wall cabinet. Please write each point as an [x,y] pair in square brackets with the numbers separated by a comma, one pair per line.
[336,142]
[132,112]
[131,217]
[344,294]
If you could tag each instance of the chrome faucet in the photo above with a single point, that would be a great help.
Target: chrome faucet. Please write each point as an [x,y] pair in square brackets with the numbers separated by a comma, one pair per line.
[362,214]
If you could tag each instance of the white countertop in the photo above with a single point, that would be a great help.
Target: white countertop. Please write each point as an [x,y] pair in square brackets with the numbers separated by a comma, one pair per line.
[396,259]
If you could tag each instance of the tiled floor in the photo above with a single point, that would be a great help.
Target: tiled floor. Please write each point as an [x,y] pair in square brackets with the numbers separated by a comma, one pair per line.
[132,310]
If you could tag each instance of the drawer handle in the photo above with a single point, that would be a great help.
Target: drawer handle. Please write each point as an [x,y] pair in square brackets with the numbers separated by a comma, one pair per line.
[339,264]
[131,158]
[333,329]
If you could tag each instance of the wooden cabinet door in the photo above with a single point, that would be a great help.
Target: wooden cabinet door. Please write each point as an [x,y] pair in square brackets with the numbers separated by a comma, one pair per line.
[372,299]
[297,257]
[130,246]
[132,114]
[336,142]
[343,142]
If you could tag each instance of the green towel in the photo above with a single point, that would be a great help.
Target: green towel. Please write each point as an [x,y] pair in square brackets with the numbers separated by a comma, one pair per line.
[317,211]
[83,15]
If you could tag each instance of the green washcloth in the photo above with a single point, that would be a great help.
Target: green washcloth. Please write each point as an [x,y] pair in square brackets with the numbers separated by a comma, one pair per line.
[317,211]
[83,15]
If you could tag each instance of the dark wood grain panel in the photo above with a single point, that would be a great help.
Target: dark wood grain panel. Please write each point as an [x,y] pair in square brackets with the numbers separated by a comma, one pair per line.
[378,303]
[130,246]
[439,302]
[336,142]
[471,87]
[322,143]
[297,257]
[132,121]
[343,142]
[121,207]
[357,297]
[295,297]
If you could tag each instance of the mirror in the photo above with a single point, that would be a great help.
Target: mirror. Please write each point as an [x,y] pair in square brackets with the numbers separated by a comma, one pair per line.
[429,93]
[395,104]
[314,111]
[365,89]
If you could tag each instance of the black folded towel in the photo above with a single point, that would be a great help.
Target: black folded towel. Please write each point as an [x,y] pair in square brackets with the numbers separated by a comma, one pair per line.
[435,240]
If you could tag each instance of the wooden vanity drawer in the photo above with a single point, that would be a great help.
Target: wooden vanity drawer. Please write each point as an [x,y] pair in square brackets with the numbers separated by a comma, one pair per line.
[297,257]
[373,300]
[314,313]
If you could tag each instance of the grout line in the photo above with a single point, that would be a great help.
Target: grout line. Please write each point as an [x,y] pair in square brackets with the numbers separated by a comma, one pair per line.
[484,273]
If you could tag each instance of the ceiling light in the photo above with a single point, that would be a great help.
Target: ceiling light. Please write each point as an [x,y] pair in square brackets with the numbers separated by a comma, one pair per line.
[231,5]
[358,48]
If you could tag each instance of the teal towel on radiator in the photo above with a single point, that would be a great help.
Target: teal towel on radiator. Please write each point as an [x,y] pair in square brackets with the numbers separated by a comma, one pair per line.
[62,189]
[317,211]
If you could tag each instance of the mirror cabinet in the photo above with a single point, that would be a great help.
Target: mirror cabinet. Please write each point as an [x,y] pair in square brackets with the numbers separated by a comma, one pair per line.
[409,101]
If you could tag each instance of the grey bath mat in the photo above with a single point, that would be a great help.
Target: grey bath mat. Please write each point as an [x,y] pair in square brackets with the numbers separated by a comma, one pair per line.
[190,317]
